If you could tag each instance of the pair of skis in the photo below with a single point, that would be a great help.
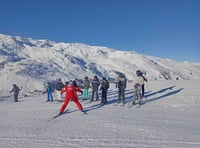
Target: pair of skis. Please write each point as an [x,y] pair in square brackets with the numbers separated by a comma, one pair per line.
[66,112]
[130,105]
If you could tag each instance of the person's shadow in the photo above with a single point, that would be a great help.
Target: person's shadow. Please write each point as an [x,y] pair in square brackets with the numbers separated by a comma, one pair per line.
[160,91]
[163,96]
[112,97]
[92,107]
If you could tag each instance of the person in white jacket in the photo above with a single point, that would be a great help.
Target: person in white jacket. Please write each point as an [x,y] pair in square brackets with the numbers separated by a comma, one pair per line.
[138,82]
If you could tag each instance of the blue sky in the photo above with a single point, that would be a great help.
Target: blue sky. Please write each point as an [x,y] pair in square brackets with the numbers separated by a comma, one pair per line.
[162,28]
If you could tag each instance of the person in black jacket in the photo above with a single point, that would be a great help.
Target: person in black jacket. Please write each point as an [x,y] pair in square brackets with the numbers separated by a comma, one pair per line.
[121,85]
[59,87]
[16,90]
[104,89]
[145,80]
[95,88]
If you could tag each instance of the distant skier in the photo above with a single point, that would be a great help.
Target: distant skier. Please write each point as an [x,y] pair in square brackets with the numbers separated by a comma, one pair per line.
[145,80]
[121,85]
[49,91]
[16,90]
[86,86]
[71,95]
[138,82]
[59,87]
[95,88]
[104,89]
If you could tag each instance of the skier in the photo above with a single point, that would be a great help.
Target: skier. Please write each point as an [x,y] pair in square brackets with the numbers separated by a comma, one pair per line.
[145,80]
[121,85]
[86,86]
[16,90]
[138,82]
[71,95]
[59,87]
[95,88]
[49,91]
[104,88]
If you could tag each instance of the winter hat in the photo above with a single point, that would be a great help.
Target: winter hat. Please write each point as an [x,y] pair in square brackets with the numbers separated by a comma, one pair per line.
[95,77]
[66,82]
[74,83]
[70,83]
[104,78]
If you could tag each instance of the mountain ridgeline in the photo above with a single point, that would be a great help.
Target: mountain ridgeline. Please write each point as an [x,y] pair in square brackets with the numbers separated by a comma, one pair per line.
[31,63]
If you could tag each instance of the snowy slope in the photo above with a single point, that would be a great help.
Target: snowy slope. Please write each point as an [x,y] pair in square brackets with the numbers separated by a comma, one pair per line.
[31,63]
[169,118]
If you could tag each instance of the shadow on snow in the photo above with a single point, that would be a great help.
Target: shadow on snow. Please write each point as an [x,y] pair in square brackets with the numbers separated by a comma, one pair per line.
[163,96]
[113,97]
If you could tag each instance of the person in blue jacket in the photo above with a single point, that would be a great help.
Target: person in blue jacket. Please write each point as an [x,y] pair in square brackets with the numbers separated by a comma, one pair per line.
[49,91]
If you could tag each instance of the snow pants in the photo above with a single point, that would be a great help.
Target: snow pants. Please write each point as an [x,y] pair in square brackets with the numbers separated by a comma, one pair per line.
[59,95]
[137,95]
[104,96]
[121,95]
[85,93]
[16,97]
[142,90]
[75,100]
[49,96]
[95,91]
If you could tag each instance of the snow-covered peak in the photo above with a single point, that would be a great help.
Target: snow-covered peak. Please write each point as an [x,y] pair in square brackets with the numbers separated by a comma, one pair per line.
[32,63]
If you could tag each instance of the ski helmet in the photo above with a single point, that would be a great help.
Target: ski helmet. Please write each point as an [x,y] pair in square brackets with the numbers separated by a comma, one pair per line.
[138,72]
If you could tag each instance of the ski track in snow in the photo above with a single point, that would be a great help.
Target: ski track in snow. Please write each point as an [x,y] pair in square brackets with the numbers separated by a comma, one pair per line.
[169,118]
[93,142]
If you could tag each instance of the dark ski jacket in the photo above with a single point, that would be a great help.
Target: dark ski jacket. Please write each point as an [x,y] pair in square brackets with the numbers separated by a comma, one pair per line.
[15,89]
[104,85]
[121,82]
[95,84]
[59,86]
[49,89]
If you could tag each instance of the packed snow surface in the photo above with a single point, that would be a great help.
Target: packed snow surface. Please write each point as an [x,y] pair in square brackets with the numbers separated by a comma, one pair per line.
[168,118]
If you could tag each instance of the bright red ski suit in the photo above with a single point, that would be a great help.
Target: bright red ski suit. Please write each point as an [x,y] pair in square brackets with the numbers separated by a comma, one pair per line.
[71,94]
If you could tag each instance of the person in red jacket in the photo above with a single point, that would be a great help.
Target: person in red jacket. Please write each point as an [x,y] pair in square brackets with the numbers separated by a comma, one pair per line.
[71,94]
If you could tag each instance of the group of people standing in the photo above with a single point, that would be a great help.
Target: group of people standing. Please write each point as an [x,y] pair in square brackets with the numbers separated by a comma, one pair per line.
[95,85]
[138,83]
[71,88]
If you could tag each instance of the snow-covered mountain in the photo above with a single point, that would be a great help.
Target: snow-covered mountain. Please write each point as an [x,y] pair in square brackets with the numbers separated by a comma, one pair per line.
[31,63]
